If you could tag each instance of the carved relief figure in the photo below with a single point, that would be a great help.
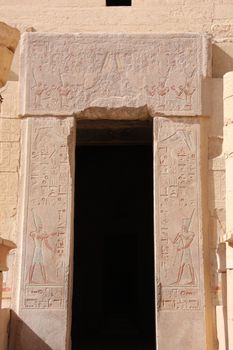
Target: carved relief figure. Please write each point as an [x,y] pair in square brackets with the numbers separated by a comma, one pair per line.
[64,92]
[162,91]
[39,89]
[183,241]
[186,90]
[40,239]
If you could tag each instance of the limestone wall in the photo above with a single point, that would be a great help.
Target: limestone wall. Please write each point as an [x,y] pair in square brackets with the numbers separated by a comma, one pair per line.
[9,142]
[212,16]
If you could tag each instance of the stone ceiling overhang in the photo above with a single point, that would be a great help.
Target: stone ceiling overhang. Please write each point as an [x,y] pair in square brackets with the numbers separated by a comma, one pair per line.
[66,74]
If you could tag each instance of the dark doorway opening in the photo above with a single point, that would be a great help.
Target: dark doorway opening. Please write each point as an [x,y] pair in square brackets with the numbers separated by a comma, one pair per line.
[113,293]
[118,2]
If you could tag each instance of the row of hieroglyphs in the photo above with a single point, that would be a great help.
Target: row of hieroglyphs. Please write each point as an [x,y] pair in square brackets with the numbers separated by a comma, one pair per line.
[72,72]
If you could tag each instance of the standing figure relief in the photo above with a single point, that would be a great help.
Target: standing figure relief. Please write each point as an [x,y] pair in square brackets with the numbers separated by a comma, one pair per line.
[182,243]
[40,238]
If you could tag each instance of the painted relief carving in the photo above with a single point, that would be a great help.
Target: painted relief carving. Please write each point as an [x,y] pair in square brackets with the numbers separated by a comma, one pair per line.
[47,212]
[178,214]
[68,73]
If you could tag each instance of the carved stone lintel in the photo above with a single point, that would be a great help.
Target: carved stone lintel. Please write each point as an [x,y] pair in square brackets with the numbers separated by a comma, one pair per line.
[65,74]
[9,38]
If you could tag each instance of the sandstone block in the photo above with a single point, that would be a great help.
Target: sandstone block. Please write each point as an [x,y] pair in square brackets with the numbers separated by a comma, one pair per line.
[66,74]
[8,187]
[8,217]
[9,107]
[9,36]
[9,130]
[6,57]
[9,161]
[216,117]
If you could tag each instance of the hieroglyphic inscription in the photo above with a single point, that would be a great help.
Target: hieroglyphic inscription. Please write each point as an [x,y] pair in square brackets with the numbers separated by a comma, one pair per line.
[178,214]
[44,297]
[48,206]
[180,299]
[68,73]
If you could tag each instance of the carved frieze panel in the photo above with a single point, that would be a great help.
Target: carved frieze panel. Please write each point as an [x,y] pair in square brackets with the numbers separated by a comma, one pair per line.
[178,220]
[66,74]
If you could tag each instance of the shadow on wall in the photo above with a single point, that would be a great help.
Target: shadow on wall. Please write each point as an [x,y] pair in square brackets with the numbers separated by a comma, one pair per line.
[22,337]
[222,54]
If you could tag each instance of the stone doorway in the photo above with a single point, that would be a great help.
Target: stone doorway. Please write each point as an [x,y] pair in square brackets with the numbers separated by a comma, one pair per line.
[113,295]
[117,76]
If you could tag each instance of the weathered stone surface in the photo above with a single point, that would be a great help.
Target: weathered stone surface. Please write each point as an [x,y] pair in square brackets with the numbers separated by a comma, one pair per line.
[8,187]
[179,245]
[6,57]
[8,209]
[9,36]
[46,229]
[9,157]
[66,74]
[9,107]
[215,87]
[9,130]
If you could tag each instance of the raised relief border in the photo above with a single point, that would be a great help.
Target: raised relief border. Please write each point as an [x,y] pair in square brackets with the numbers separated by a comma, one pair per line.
[178,214]
[65,74]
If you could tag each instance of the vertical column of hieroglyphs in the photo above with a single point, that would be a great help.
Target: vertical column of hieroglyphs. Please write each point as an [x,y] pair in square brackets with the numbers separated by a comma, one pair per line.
[47,226]
[179,260]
